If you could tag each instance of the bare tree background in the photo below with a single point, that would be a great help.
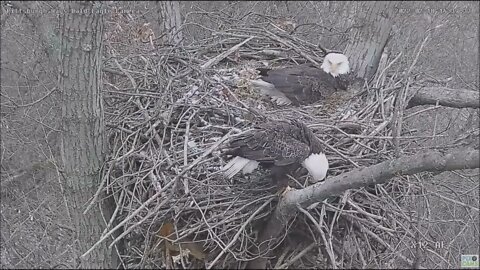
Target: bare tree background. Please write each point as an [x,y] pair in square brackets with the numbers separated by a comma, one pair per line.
[34,215]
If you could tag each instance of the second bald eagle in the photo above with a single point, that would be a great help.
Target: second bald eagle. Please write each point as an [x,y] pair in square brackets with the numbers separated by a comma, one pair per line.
[282,146]
[304,84]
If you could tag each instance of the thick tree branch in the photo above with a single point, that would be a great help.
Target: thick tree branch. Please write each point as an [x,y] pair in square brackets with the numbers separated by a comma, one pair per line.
[457,98]
[376,174]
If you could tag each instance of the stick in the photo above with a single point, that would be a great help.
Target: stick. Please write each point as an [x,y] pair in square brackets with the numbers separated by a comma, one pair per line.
[298,256]
[376,174]
[221,56]
[158,193]
[328,247]
[235,238]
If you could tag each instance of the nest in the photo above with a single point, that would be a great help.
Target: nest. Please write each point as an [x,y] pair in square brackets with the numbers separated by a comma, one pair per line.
[168,115]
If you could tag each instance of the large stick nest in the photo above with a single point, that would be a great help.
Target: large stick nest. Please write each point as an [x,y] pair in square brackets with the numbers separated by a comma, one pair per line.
[167,119]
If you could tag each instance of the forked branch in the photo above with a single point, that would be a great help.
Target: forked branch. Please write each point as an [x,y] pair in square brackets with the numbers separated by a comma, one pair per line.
[433,161]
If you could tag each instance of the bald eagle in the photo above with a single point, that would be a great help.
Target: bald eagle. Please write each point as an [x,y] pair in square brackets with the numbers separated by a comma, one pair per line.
[282,147]
[304,84]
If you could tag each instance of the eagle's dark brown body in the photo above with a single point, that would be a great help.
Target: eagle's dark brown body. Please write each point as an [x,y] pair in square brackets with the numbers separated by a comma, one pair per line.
[304,84]
[279,145]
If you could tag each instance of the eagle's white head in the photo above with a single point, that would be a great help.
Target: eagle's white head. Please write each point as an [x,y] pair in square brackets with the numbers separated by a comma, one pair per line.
[336,64]
[317,166]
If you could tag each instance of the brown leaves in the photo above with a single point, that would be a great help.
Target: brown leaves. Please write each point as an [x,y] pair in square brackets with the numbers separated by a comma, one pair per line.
[196,250]
[144,33]
[176,251]
[166,230]
[286,24]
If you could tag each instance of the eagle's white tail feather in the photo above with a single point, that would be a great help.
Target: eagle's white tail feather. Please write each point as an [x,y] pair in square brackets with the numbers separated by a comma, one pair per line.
[281,100]
[265,88]
[268,89]
[238,164]
[250,167]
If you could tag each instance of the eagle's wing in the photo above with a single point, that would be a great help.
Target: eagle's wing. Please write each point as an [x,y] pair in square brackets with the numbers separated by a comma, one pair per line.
[302,84]
[272,143]
[287,79]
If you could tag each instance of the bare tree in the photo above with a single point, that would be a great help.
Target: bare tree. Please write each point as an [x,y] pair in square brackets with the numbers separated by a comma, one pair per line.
[83,147]
[370,29]
[170,21]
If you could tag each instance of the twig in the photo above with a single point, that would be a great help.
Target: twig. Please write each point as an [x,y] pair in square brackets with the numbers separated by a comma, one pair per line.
[328,246]
[31,103]
[97,193]
[380,241]
[235,238]
[454,201]
[221,56]
[151,199]
[376,174]
[298,256]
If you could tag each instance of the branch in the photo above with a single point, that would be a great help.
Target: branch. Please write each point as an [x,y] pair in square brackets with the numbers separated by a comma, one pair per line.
[222,56]
[456,98]
[45,25]
[377,174]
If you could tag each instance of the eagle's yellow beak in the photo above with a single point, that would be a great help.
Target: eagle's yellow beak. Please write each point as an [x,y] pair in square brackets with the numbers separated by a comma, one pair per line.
[334,67]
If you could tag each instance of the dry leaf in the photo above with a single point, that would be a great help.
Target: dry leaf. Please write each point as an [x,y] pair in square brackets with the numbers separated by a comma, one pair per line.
[286,24]
[173,249]
[144,33]
[166,230]
[196,250]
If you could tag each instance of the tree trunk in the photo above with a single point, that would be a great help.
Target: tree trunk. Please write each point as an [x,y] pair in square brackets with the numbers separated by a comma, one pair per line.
[83,127]
[370,31]
[170,21]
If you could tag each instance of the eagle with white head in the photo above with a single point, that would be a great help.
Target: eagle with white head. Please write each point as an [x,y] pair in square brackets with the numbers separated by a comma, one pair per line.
[281,146]
[304,84]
